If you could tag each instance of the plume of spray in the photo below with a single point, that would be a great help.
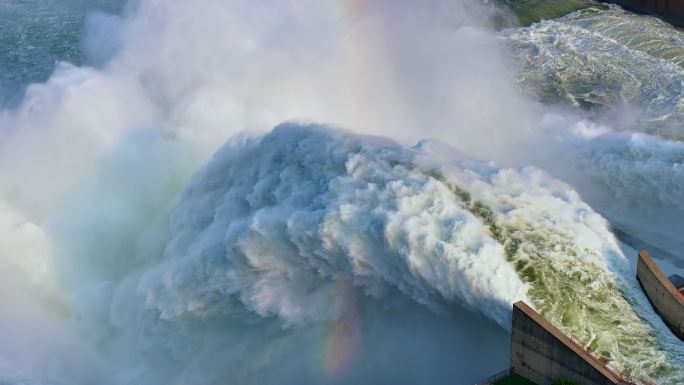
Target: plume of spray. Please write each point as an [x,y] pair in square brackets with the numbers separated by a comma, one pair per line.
[92,160]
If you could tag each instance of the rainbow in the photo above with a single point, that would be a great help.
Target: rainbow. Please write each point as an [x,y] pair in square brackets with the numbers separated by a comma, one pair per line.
[343,334]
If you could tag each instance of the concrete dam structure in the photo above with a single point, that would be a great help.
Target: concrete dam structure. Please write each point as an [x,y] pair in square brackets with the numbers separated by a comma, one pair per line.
[541,353]
[670,10]
[666,298]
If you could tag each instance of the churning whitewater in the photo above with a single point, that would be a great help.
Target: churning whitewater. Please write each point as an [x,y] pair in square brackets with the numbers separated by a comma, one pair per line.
[624,71]
[156,228]
[272,225]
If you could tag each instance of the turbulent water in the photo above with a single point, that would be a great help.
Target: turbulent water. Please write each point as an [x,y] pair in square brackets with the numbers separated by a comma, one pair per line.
[624,72]
[379,244]
[608,59]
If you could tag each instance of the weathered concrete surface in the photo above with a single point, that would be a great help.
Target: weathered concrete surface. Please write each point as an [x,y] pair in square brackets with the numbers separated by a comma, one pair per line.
[664,297]
[543,354]
[670,10]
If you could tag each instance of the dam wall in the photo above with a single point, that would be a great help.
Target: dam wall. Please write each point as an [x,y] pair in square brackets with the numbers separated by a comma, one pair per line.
[670,10]
[664,296]
[543,354]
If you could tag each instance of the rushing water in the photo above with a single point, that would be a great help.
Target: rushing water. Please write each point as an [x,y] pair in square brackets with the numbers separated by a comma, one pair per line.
[621,71]
[311,254]
[603,59]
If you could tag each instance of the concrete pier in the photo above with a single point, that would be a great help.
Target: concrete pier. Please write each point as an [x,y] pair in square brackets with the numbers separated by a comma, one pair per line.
[666,299]
[543,354]
[670,10]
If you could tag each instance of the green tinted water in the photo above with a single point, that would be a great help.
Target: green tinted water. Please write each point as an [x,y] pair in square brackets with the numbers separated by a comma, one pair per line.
[603,60]
[570,284]
[531,11]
